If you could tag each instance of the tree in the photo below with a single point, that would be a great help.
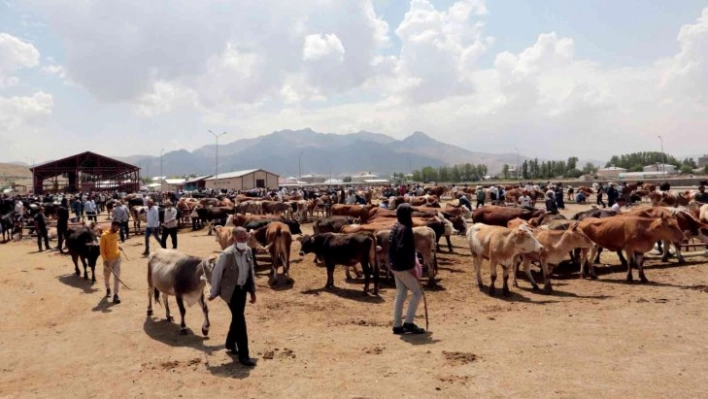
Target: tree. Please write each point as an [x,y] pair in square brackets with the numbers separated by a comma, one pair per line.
[686,169]
[525,170]
[347,179]
[705,170]
[444,174]
[455,174]
[417,176]
[505,171]
[572,163]
[589,169]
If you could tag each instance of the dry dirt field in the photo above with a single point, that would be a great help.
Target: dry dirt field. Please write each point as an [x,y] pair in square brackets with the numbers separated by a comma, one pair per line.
[59,338]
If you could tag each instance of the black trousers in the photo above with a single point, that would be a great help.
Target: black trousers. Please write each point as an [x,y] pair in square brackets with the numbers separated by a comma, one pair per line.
[172,232]
[600,201]
[124,231]
[61,236]
[237,338]
[42,234]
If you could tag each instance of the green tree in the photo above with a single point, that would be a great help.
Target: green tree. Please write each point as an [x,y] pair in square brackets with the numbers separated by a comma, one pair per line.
[505,171]
[455,174]
[417,176]
[589,169]
[572,163]
[444,174]
[347,179]
[525,170]
[705,170]
[686,169]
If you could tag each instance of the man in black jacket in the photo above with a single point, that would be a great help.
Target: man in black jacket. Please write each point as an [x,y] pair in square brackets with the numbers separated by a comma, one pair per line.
[612,195]
[62,224]
[40,226]
[402,260]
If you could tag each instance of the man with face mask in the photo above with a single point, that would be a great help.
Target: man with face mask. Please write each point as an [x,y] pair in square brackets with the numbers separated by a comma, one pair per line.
[233,277]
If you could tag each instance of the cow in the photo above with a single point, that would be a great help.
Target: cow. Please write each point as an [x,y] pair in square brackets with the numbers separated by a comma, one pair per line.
[213,216]
[499,216]
[355,211]
[556,246]
[344,249]
[224,236]
[632,234]
[686,222]
[249,206]
[332,224]
[293,225]
[703,213]
[7,225]
[501,246]
[278,241]
[82,244]
[599,213]
[183,276]
[277,208]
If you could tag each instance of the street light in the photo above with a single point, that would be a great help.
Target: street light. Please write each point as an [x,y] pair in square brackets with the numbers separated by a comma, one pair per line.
[162,177]
[663,156]
[299,167]
[216,136]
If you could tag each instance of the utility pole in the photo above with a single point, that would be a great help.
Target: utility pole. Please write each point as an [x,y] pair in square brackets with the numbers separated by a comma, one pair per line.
[216,170]
[162,177]
[663,156]
[299,167]
[517,163]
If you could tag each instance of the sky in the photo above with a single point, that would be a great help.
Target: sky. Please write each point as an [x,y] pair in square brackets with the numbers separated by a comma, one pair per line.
[553,78]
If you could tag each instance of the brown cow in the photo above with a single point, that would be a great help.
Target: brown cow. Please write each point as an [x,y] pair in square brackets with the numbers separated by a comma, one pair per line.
[424,238]
[687,223]
[556,246]
[355,211]
[500,216]
[632,234]
[278,242]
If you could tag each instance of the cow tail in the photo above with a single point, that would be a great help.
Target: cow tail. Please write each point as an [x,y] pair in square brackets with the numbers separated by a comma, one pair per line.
[156,292]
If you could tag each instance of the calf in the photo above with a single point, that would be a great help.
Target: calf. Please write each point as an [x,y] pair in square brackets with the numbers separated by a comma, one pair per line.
[279,240]
[183,276]
[82,244]
[501,246]
[344,249]
[632,234]
[556,246]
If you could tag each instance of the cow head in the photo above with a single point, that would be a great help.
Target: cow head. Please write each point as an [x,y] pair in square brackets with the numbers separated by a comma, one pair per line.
[460,224]
[93,251]
[307,244]
[671,230]
[575,237]
[294,226]
[207,266]
[525,241]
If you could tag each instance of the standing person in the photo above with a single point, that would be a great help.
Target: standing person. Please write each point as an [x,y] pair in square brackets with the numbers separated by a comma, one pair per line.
[20,215]
[153,225]
[40,226]
[551,206]
[612,195]
[90,209]
[617,206]
[76,207]
[525,200]
[169,226]
[110,253]
[599,201]
[702,196]
[233,277]
[560,201]
[120,215]
[62,225]
[480,196]
[402,260]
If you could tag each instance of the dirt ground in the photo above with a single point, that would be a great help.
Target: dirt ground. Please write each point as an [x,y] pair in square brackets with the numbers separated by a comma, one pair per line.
[59,337]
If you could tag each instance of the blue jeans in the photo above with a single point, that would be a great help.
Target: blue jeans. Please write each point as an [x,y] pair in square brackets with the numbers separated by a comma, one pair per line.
[124,231]
[151,231]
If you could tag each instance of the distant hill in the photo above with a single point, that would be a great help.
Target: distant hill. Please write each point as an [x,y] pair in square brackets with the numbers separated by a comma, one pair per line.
[322,153]
[15,173]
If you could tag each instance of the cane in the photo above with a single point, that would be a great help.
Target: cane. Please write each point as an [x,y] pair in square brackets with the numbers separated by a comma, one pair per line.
[126,256]
[116,276]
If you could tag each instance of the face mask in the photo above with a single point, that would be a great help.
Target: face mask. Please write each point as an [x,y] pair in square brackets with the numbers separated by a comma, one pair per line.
[241,246]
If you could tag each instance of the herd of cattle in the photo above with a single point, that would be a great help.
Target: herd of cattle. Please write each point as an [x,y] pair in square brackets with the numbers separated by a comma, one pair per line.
[505,235]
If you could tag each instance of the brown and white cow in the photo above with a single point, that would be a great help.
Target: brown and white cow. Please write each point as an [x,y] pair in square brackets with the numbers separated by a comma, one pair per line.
[632,234]
[501,246]
[424,238]
[277,240]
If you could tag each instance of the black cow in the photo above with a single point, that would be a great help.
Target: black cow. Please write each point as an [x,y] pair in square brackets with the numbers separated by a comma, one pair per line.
[294,225]
[344,249]
[213,215]
[332,224]
[82,243]
[7,223]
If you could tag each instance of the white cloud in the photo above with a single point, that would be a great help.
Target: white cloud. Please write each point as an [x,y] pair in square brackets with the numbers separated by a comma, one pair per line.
[20,118]
[254,67]
[15,54]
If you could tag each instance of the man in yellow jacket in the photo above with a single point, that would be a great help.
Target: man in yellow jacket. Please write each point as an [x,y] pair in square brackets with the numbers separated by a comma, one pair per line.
[110,252]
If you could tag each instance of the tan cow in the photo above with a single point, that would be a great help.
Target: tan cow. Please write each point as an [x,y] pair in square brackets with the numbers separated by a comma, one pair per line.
[556,246]
[279,240]
[501,246]
[632,234]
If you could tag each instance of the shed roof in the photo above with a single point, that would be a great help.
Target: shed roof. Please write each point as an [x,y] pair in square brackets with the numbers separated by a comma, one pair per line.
[239,173]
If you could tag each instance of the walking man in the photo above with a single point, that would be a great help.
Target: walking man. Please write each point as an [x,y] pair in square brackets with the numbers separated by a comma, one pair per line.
[40,227]
[62,225]
[169,226]
[153,225]
[110,253]
[599,200]
[120,215]
[402,260]
[90,210]
[233,277]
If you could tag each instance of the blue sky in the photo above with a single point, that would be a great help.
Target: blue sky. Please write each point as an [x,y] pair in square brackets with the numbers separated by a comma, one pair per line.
[485,75]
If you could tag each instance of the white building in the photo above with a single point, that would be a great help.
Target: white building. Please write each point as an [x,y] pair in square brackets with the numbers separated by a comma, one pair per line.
[611,173]
[658,167]
[243,180]
[363,177]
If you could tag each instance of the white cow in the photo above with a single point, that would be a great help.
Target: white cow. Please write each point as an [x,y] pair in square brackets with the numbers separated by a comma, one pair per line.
[501,246]
[182,276]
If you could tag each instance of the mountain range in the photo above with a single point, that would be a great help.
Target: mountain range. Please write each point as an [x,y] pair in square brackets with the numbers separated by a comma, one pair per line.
[289,152]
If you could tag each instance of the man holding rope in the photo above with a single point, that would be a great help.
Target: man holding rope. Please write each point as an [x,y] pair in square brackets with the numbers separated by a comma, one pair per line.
[110,253]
